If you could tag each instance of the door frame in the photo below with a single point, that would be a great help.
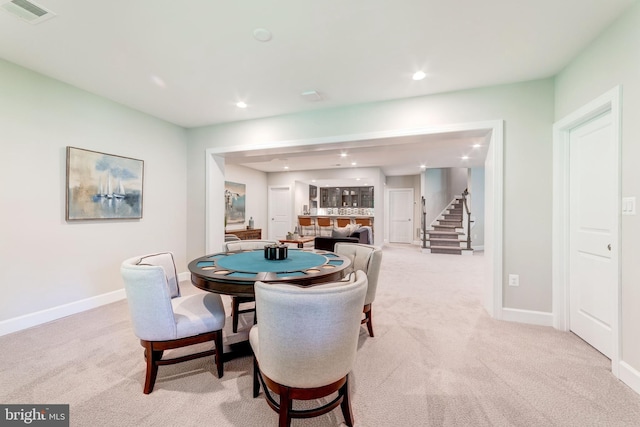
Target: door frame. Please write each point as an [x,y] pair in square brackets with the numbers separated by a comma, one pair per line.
[494,191]
[607,102]
[388,216]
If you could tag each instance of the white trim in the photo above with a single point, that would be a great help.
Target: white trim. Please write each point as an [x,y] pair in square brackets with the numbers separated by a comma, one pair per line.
[494,207]
[609,101]
[532,317]
[629,376]
[494,186]
[39,317]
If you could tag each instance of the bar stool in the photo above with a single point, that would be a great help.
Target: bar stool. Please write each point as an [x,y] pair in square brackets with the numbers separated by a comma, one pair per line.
[343,222]
[324,222]
[306,221]
[366,221]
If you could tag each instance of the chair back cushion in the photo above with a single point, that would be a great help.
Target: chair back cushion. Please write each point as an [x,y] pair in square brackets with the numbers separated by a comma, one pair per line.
[247,245]
[149,299]
[166,261]
[366,258]
[308,336]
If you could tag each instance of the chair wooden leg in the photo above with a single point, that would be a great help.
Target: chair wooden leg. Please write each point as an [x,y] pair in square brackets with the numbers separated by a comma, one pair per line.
[235,307]
[285,408]
[219,354]
[256,382]
[346,404]
[152,367]
[368,318]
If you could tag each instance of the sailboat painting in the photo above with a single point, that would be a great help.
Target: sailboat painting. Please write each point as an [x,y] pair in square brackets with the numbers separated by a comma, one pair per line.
[103,186]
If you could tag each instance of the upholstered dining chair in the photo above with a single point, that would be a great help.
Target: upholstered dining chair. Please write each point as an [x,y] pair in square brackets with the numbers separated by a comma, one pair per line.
[368,259]
[243,245]
[163,319]
[305,344]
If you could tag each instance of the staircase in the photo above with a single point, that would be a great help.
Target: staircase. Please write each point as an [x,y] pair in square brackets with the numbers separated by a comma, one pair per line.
[448,235]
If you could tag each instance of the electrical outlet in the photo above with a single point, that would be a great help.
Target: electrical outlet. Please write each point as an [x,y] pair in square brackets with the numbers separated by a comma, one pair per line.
[514,280]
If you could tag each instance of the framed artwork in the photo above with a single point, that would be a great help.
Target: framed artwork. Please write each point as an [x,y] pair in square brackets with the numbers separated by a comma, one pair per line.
[102,186]
[234,203]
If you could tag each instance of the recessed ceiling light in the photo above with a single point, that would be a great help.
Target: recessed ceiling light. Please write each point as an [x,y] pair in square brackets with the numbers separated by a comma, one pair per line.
[313,180]
[423,166]
[419,75]
[465,157]
[353,163]
[262,35]
[477,145]
[357,179]
[286,167]
[343,154]
[241,104]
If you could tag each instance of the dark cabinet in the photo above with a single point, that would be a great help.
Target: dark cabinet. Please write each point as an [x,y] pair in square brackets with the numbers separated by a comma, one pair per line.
[348,197]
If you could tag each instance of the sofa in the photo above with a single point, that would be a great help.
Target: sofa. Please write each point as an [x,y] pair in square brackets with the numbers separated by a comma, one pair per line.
[345,234]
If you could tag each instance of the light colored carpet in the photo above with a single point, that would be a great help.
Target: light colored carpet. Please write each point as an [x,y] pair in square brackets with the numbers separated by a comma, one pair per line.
[437,359]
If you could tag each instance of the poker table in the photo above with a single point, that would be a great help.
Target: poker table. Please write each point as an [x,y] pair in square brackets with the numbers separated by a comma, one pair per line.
[234,273]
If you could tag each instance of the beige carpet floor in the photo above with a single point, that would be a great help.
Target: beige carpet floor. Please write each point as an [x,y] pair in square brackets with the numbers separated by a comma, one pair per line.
[437,359]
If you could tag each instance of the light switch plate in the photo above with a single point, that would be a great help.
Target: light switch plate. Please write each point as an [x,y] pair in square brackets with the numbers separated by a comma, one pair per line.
[514,280]
[628,206]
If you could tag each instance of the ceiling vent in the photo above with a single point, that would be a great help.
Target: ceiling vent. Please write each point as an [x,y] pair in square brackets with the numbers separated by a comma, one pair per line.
[311,95]
[27,11]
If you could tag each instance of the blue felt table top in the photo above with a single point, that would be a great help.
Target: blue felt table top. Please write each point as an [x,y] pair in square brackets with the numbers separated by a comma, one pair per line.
[255,262]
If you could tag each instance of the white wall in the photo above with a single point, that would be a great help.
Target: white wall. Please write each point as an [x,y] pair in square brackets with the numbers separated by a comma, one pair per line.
[458,181]
[614,59]
[46,261]
[527,111]
[256,195]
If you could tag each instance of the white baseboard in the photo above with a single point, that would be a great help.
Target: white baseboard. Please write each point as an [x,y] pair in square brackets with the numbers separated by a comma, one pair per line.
[540,318]
[38,318]
[630,376]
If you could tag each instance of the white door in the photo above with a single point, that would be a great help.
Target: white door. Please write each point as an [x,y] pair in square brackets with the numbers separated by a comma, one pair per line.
[593,235]
[401,215]
[279,212]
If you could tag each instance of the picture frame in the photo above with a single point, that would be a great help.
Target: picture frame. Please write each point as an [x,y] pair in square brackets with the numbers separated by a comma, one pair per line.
[101,186]
[234,202]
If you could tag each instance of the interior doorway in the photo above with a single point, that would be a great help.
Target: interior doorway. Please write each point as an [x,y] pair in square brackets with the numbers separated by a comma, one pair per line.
[494,176]
[400,208]
[585,230]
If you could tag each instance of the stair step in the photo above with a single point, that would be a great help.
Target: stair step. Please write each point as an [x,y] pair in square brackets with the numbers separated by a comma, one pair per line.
[449,243]
[450,222]
[453,217]
[445,250]
[443,227]
[447,232]
[444,235]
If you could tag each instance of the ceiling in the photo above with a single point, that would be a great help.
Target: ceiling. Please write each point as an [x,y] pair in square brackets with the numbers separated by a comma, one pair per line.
[190,62]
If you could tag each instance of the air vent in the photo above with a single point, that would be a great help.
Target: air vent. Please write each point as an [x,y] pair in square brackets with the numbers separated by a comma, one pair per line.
[27,11]
[311,95]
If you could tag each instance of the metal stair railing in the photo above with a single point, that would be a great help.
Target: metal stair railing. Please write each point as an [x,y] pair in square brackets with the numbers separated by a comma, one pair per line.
[465,193]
